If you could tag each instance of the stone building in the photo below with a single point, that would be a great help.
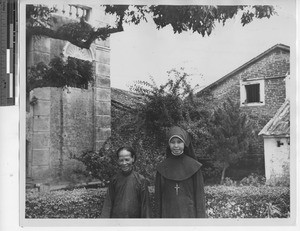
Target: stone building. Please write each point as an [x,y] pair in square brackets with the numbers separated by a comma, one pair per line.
[63,123]
[259,86]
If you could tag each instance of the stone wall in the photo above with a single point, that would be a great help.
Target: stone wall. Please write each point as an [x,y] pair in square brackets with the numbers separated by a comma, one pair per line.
[62,123]
[272,65]
[62,127]
[273,68]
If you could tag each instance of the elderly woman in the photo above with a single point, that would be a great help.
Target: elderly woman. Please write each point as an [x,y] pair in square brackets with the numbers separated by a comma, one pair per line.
[127,195]
[179,187]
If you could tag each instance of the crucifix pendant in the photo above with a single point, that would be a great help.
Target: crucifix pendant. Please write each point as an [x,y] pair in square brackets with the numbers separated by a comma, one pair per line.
[177,188]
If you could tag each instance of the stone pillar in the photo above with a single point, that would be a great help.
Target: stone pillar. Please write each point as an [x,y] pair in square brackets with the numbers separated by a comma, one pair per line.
[39,150]
[102,96]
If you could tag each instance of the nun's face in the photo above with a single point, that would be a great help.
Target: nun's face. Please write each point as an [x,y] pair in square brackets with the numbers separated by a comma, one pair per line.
[176,146]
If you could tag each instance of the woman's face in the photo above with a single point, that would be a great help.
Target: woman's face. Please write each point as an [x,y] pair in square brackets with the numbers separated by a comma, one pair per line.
[125,160]
[176,146]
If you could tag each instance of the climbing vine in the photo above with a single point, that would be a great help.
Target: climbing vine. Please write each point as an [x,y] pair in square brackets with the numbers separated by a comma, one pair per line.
[71,72]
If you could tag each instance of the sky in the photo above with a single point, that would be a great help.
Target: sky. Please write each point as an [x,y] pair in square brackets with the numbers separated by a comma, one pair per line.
[141,51]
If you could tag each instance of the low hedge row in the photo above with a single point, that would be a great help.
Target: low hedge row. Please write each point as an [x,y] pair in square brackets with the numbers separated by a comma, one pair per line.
[247,202]
[78,203]
[221,202]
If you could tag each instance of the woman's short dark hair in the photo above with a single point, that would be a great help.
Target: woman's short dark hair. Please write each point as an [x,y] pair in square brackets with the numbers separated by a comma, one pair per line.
[128,149]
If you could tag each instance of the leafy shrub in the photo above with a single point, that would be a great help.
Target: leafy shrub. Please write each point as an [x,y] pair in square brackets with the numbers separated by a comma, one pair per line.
[78,203]
[210,173]
[247,202]
[102,165]
[229,182]
[172,103]
[221,202]
[99,165]
[253,180]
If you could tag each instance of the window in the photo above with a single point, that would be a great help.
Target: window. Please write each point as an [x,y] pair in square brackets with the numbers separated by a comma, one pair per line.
[252,92]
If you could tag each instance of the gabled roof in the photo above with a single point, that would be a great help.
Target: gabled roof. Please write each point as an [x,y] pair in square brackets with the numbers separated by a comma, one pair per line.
[279,125]
[277,46]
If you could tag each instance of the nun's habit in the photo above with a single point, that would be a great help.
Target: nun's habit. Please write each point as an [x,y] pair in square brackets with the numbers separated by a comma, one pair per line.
[179,187]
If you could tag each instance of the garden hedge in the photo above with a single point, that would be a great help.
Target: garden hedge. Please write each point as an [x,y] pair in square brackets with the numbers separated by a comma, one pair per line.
[221,202]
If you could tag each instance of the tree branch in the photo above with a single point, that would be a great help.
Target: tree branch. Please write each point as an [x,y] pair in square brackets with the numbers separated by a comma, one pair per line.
[83,41]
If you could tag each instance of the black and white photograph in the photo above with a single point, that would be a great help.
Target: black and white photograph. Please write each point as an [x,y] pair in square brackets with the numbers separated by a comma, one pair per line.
[163,113]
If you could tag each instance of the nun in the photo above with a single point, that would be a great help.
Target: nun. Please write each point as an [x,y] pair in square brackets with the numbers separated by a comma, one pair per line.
[179,186]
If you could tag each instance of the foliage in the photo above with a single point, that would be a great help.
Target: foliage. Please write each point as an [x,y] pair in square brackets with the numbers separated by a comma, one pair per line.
[197,18]
[202,19]
[40,15]
[231,135]
[221,202]
[144,126]
[78,203]
[253,180]
[229,182]
[249,164]
[247,202]
[210,173]
[102,164]
[71,72]
[283,180]
[173,103]
[99,165]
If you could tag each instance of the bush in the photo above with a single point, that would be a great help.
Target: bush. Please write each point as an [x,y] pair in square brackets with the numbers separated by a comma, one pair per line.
[211,174]
[221,202]
[229,182]
[247,202]
[253,180]
[78,203]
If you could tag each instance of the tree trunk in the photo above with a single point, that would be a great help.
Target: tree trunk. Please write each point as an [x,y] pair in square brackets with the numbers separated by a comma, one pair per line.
[226,165]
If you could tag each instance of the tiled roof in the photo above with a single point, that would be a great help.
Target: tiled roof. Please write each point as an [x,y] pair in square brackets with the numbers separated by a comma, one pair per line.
[124,99]
[279,125]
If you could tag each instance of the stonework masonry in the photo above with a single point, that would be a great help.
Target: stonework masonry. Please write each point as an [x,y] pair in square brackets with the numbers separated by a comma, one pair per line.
[63,123]
[272,68]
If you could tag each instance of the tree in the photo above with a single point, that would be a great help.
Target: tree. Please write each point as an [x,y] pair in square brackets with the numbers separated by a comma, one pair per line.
[231,135]
[172,103]
[197,18]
